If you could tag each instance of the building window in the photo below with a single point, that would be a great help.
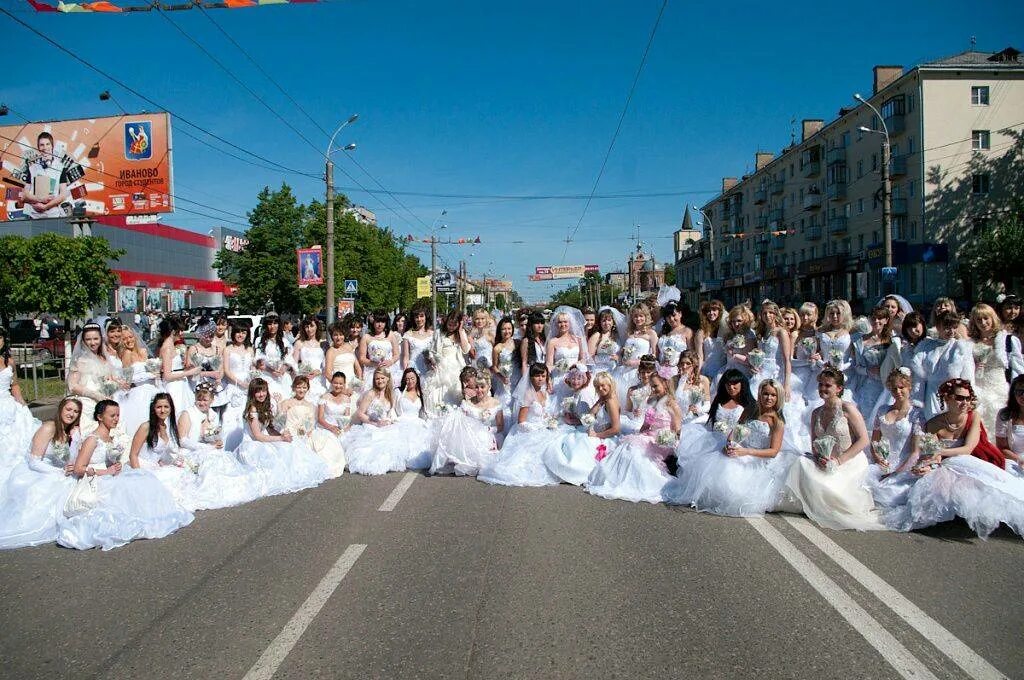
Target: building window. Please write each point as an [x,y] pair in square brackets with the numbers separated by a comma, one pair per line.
[980,183]
[913,230]
[874,162]
[910,188]
[847,211]
[894,107]
[910,103]
[860,206]
[860,169]
[910,145]
[846,140]
[860,243]
[980,139]
[979,95]
[874,237]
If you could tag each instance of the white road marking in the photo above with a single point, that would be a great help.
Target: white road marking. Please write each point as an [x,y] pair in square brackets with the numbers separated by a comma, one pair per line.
[897,656]
[947,643]
[275,654]
[396,495]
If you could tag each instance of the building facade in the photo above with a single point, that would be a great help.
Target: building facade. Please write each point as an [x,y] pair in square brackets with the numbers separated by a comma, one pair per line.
[807,224]
[163,268]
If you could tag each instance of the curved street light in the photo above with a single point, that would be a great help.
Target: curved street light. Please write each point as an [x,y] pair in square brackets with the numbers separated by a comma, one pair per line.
[329,178]
[888,274]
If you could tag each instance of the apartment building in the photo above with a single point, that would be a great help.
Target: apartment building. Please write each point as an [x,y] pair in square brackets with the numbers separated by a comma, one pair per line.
[807,224]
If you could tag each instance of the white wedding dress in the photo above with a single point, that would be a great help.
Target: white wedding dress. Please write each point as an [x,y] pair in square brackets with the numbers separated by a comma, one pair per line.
[17,425]
[32,500]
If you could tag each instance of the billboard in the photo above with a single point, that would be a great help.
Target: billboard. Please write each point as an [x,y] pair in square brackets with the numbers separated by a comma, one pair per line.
[498,285]
[120,165]
[569,271]
[310,269]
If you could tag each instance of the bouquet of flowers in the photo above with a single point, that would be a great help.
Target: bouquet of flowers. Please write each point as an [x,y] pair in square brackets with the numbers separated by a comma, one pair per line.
[272,364]
[483,362]
[723,427]
[305,427]
[640,397]
[307,369]
[115,451]
[670,356]
[551,423]
[127,374]
[835,357]
[211,434]
[211,363]
[825,449]
[61,453]
[607,347]
[809,345]
[153,366]
[486,415]
[739,433]
[180,351]
[666,437]
[881,451]
[602,453]
[928,445]
[376,354]
[755,358]
[569,404]
[254,374]
[355,382]
[376,412]
[737,343]
[108,386]
[628,352]
[862,325]
[695,395]
[563,365]
[279,423]
[587,420]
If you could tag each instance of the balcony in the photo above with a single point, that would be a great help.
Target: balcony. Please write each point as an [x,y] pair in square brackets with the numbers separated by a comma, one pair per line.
[814,232]
[810,169]
[837,226]
[737,257]
[760,196]
[899,206]
[898,166]
[842,248]
[836,191]
[778,242]
[762,222]
[775,216]
[836,155]
[735,225]
[812,201]
[778,187]
[896,124]
[761,246]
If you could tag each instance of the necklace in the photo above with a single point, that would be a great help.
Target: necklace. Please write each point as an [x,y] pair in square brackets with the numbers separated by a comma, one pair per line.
[951,426]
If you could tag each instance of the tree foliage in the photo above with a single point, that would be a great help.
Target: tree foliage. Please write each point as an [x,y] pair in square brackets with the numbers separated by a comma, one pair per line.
[572,296]
[266,269]
[996,256]
[58,274]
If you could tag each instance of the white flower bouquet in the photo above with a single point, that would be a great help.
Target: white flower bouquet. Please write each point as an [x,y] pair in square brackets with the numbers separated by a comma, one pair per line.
[551,423]
[115,451]
[505,365]
[824,448]
[666,437]
[61,452]
[740,433]
[154,366]
[835,357]
[211,363]
[569,404]
[305,427]
[376,354]
[563,365]
[307,369]
[255,374]
[376,412]
[587,420]
[355,382]
[737,343]
[483,362]
[670,356]
[881,451]
[127,374]
[210,434]
[756,358]
[927,445]
[628,352]
[862,325]
[109,386]
[695,395]
[272,364]
[723,427]
[607,347]
[279,423]
[809,345]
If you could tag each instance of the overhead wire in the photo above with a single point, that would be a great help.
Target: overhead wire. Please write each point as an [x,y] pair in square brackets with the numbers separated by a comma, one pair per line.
[618,128]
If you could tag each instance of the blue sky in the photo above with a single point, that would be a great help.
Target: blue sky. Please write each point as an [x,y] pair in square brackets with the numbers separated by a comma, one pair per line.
[489,99]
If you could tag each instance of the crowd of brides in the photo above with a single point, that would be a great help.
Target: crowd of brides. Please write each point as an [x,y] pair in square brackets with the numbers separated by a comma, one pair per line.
[891,421]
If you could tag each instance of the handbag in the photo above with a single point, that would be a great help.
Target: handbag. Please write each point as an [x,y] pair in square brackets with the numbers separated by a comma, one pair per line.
[84,497]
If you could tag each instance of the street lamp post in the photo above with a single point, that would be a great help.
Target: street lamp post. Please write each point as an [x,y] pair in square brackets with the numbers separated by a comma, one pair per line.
[329,178]
[888,273]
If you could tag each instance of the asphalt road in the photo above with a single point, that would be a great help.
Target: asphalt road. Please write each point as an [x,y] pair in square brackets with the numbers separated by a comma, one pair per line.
[465,580]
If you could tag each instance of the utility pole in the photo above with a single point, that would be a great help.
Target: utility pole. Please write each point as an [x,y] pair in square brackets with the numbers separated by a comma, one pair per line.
[433,283]
[462,285]
[329,265]
[887,286]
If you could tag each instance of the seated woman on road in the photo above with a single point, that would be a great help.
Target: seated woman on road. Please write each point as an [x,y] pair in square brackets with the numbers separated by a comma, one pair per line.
[831,483]
[32,500]
[745,477]
[635,403]
[375,446]
[590,431]
[300,420]
[894,438]
[468,438]
[156,447]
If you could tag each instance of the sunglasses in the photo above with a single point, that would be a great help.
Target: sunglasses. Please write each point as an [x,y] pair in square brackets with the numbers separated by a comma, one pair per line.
[1019,392]
[961,397]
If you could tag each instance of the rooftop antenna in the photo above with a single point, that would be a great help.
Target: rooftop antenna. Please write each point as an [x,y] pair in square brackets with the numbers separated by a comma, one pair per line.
[974,41]
[792,131]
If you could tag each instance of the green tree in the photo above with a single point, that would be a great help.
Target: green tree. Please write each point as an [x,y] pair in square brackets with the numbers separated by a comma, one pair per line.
[266,269]
[12,254]
[994,258]
[499,301]
[62,275]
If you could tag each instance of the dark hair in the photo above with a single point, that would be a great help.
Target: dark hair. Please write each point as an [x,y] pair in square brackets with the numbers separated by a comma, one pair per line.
[497,329]
[830,372]
[154,423]
[101,406]
[458,316]
[883,313]
[428,321]
[44,135]
[348,322]
[278,336]
[745,398]
[380,316]
[596,327]
[537,368]
[667,310]
[466,373]
[5,351]
[339,374]
[606,313]
[168,326]
[114,322]
[93,326]
[909,321]
[239,328]
[531,337]
[220,316]
[947,319]
[337,327]
[418,391]
[404,318]
[263,410]
[1013,409]
[305,323]
[300,380]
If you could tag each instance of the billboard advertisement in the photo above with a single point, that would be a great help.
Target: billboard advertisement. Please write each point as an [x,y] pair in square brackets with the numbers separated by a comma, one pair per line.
[569,271]
[120,165]
[310,267]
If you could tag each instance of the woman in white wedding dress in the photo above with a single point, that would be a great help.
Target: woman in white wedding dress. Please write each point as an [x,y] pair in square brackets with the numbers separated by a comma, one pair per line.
[869,353]
[997,357]
[145,372]
[835,342]
[894,444]
[308,356]
[380,348]
[17,424]
[1009,430]
[606,343]
[591,431]
[641,341]
[273,357]
[32,499]
[174,372]
[238,371]
[447,359]
[943,358]
[90,375]
[635,470]
[300,414]
[342,355]
[709,340]
[831,484]
[111,504]
[675,339]
[416,341]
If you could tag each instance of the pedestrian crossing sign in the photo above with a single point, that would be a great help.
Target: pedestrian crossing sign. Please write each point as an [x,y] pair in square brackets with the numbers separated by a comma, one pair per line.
[351,287]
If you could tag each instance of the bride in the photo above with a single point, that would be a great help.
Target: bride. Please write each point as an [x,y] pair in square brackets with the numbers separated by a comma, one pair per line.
[447,359]
[16,421]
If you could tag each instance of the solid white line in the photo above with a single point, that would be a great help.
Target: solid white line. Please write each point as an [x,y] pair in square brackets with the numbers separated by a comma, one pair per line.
[275,654]
[898,656]
[396,495]
[947,643]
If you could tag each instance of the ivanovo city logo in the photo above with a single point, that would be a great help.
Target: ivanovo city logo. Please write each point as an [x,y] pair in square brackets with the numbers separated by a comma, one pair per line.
[137,140]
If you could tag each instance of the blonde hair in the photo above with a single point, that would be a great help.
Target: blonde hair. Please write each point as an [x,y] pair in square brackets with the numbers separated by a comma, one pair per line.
[845,315]
[796,317]
[712,330]
[389,388]
[744,313]
[898,376]
[605,378]
[640,308]
[779,398]
[977,312]
[940,301]
[767,306]
[140,349]
[809,307]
